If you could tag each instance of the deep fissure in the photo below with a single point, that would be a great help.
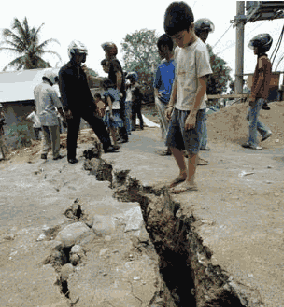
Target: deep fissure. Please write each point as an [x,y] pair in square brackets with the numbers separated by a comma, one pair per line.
[64,288]
[66,252]
[184,262]
[189,281]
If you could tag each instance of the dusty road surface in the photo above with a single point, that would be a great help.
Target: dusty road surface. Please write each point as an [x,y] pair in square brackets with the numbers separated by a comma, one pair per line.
[233,243]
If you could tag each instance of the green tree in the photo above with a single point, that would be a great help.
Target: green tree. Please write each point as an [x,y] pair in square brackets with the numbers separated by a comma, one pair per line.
[140,54]
[217,82]
[24,42]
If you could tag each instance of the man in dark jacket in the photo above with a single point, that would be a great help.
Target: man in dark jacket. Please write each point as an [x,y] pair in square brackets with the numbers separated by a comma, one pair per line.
[77,101]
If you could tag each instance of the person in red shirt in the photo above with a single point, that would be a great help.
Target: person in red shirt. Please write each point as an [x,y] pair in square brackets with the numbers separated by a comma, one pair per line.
[260,44]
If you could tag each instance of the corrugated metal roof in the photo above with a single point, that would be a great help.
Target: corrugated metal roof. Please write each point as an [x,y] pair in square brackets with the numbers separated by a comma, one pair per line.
[19,85]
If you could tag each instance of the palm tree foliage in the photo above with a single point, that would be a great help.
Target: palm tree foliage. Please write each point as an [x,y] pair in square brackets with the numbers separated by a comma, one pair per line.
[24,42]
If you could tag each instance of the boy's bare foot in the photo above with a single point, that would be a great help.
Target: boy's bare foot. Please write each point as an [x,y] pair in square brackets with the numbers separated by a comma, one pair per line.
[179,179]
[184,187]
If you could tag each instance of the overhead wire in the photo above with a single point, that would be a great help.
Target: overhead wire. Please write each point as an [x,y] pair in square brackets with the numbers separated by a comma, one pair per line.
[222,36]
[232,45]
[259,25]
[228,47]
[274,53]
[194,4]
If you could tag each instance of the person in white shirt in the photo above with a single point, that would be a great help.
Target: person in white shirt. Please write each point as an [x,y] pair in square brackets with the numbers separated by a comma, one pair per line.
[37,126]
[186,108]
[46,102]
[202,27]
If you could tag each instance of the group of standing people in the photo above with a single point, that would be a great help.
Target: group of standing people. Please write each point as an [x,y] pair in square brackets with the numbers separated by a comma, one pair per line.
[108,115]
[180,96]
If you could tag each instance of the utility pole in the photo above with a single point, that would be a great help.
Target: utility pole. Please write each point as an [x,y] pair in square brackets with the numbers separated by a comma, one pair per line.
[240,20]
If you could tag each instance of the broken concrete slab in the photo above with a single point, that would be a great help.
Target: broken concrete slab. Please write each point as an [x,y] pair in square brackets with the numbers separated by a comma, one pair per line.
[103,225]
[72,233]
[108,277]
[134,219]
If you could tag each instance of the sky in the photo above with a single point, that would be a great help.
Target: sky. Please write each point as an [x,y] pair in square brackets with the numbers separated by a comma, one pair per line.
[95,22]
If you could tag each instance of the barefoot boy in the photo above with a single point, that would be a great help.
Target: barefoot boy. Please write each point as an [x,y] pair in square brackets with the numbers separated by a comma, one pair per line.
[186,109]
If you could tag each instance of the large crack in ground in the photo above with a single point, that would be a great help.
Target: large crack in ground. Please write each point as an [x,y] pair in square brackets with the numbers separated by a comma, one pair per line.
[189,277]
[188,274]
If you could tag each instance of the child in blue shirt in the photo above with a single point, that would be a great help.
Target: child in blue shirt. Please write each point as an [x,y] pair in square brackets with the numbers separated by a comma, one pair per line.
[163,82]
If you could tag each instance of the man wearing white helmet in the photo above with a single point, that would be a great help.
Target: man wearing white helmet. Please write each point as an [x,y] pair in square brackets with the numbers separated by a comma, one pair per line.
[46,102]
[78,101]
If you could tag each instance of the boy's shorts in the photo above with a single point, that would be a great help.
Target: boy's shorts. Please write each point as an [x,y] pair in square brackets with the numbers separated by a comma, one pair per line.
[189,140]
[116,122]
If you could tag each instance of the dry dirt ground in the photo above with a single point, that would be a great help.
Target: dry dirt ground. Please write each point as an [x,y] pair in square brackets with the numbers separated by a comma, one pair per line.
[228,188]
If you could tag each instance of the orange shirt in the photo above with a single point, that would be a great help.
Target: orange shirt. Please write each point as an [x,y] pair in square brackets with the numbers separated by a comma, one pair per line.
[261,78]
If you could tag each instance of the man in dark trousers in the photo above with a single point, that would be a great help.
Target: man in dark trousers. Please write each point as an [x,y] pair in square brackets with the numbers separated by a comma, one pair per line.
[3,146]
[136,100]
[116,75]
[78,101]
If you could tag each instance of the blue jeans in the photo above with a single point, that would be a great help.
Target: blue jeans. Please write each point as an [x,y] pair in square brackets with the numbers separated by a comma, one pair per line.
[204,135]
[254,124]
[128,112]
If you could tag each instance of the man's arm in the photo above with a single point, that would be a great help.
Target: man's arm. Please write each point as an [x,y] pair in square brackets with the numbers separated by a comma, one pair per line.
[109,105]
[60,110]
[116,68]
[57,103]
[172,102]
[156,92]
[173,99]
[157,83]
[118,80]
[200,93]
[63,89]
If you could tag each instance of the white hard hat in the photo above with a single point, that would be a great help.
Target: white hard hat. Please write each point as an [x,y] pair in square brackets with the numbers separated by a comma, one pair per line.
[51,76]
[76,47]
